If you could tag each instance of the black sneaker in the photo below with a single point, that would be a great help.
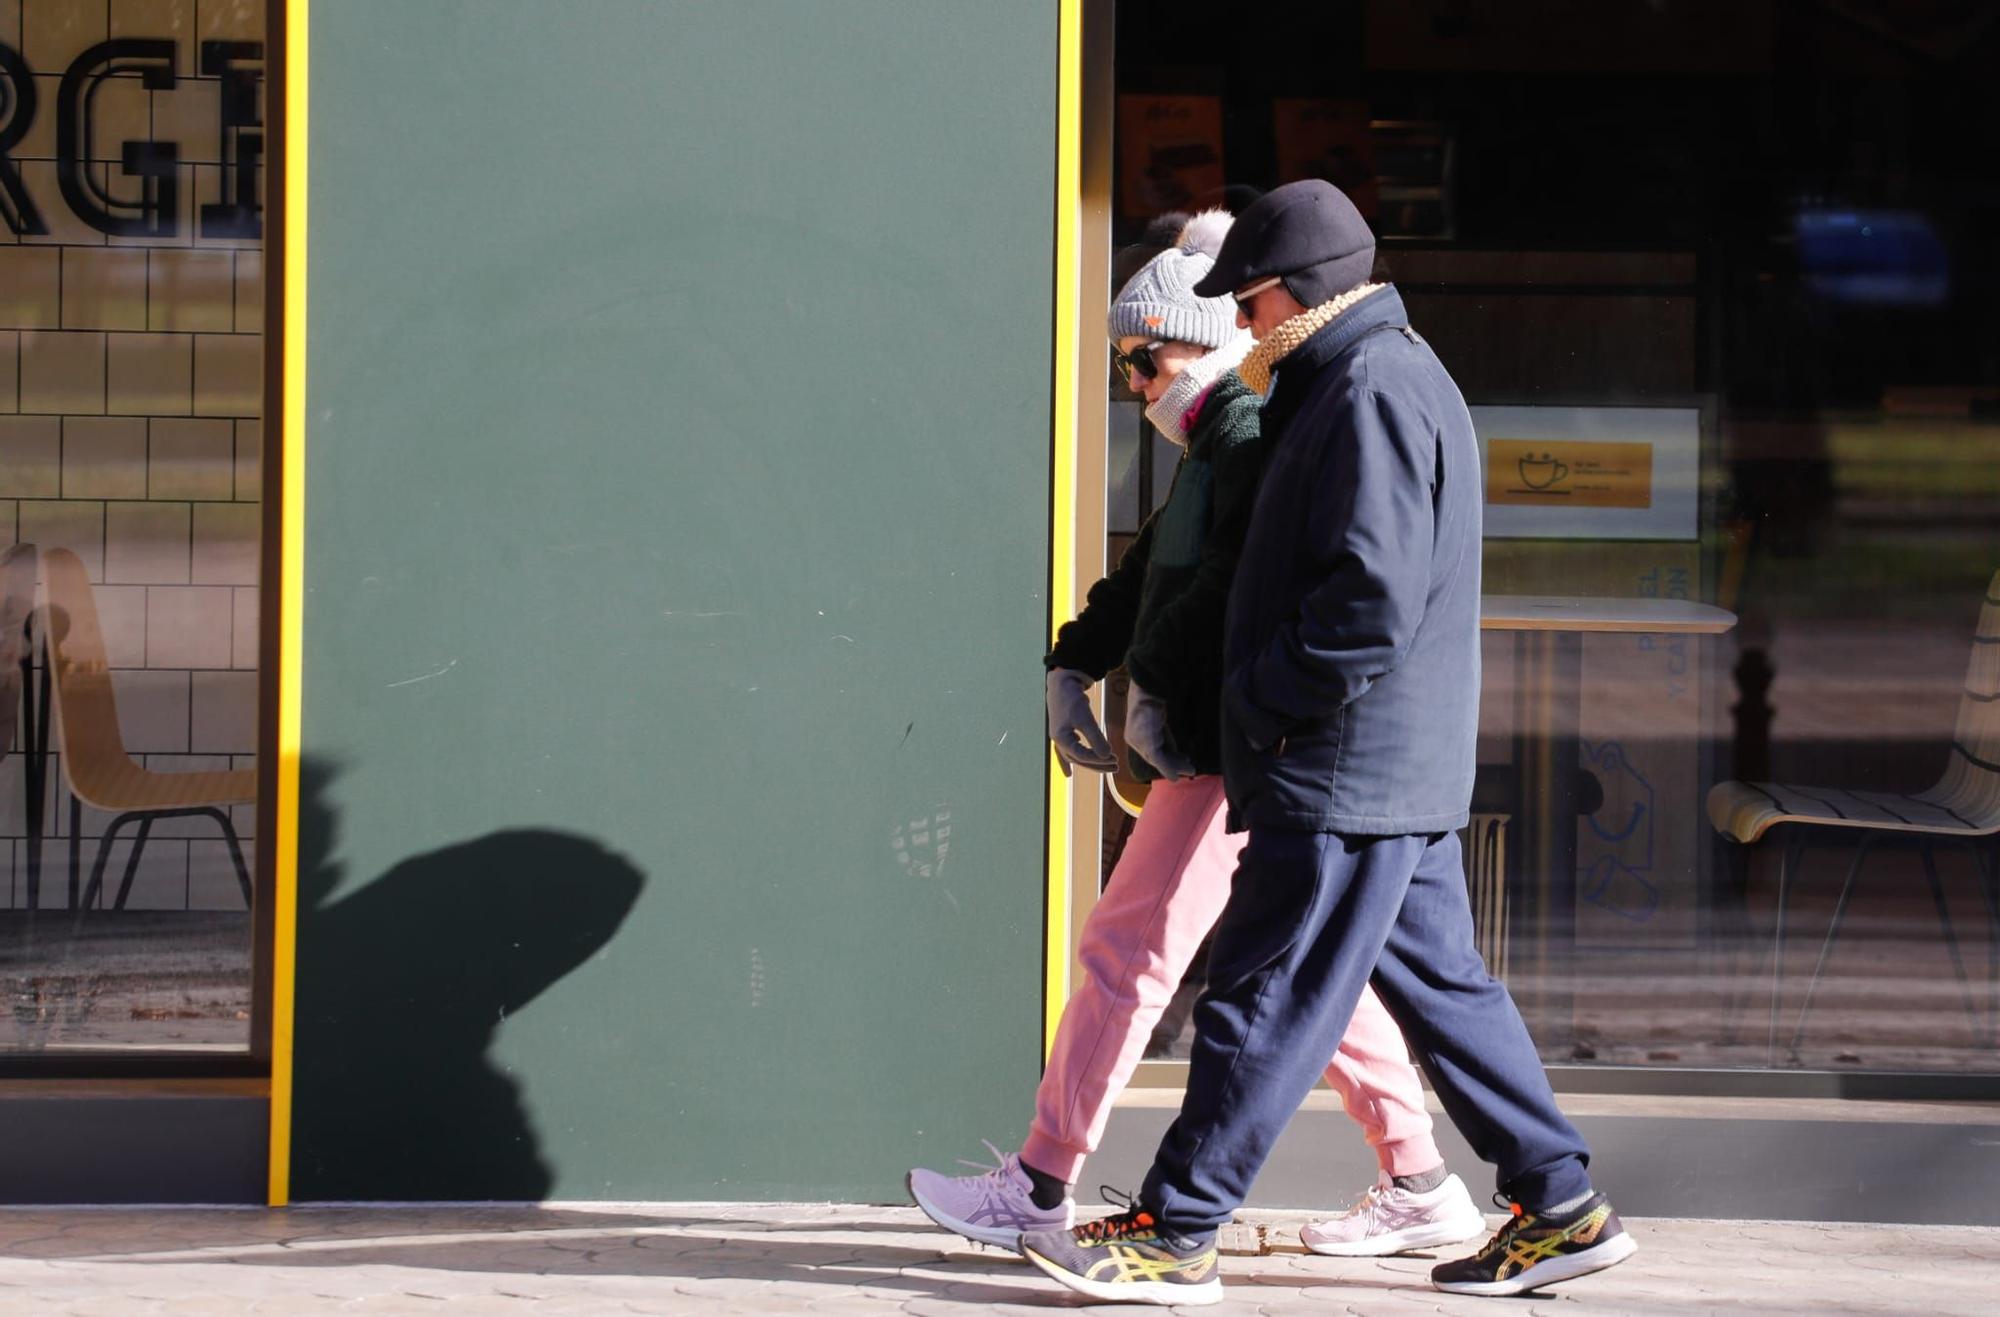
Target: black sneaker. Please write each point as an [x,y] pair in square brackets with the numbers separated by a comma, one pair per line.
[1532,1251]
[1127,1258]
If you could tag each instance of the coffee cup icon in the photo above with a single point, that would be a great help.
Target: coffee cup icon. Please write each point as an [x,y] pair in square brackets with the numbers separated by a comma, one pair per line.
[1542,472]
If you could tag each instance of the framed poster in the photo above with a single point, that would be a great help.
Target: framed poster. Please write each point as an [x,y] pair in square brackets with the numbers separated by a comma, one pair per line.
[1327,139]
[1591,473]
[1169,153]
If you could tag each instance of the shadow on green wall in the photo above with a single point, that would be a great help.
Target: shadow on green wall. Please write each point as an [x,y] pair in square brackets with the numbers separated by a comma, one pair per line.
[403,985]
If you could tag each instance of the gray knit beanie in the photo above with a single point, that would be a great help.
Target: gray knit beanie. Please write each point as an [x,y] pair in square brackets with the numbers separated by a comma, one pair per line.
[1159,301]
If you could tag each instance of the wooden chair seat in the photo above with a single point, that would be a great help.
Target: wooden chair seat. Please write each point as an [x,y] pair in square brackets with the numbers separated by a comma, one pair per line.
[123,787]
[1745,811]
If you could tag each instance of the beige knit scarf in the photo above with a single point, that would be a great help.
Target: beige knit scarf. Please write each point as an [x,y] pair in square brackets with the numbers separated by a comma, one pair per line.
[1286,338]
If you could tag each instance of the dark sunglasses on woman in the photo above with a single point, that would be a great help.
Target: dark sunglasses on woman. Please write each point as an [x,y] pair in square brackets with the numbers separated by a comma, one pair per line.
[1139,361]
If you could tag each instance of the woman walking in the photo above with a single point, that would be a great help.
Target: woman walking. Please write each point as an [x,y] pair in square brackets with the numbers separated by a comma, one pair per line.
[1160,614]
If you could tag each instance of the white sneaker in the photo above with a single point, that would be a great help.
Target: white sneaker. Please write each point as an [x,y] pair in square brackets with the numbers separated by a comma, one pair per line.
[993,1208]
[1390,1220]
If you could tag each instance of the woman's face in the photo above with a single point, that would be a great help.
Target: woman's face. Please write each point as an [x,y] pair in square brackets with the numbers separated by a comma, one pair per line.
[1168,360]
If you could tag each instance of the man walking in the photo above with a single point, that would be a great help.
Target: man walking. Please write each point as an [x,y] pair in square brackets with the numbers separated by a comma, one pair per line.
[1349,714]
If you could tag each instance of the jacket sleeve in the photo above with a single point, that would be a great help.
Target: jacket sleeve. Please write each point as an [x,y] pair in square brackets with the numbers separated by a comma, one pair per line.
[1370,538]
[1166,659]
[1096,641]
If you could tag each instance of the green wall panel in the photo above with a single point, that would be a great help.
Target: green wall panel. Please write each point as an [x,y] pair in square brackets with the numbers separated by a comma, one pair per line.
[676,564]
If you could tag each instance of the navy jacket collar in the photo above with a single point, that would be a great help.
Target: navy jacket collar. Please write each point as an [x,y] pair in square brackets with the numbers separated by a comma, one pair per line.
[1380,308]
[1294,377]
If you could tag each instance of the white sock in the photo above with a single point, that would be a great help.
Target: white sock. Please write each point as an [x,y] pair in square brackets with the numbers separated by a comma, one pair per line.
[1572,1204]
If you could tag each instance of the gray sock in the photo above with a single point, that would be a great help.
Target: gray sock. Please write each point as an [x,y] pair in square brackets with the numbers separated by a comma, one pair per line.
[1422,1183]
[1562,1208]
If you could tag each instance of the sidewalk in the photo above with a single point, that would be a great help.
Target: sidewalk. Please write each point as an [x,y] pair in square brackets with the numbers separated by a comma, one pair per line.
[759,1258]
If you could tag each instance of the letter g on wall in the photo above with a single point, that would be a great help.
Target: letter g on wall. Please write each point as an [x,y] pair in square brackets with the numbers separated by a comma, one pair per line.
[153,214]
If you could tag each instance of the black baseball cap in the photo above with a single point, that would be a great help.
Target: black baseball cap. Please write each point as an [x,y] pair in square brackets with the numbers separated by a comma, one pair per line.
[1308,232]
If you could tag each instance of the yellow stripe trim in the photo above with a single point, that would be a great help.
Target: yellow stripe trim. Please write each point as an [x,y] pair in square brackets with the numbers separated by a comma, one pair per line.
[1062,500]
[291,594]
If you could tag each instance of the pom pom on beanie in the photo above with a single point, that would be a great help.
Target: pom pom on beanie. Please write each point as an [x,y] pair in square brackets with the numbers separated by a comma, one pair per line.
[1159,301]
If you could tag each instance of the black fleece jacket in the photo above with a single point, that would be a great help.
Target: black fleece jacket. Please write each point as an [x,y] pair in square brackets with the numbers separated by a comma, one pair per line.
[1160,611]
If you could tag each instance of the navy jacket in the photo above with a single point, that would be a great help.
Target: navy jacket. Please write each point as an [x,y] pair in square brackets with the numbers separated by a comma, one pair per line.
[1351,700]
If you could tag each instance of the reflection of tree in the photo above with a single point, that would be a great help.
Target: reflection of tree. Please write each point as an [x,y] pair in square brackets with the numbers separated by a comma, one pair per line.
[1940,29]
[1781,476]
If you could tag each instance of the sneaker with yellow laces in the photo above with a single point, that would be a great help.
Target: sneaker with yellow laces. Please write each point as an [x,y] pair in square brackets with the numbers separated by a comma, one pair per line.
[1537,1249]
[1128,1258]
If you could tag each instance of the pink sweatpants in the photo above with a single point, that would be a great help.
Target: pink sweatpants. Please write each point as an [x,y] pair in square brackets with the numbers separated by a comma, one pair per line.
[1165,894]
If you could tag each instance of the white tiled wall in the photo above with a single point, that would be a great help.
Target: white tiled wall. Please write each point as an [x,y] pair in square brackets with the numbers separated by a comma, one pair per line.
[130,390]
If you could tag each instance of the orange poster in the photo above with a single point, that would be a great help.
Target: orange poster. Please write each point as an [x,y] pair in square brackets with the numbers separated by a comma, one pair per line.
[1330,140]
[1169,153]
[1568,472]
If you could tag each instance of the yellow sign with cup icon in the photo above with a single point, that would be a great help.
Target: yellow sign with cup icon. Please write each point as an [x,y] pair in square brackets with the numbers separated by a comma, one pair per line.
[1568,472]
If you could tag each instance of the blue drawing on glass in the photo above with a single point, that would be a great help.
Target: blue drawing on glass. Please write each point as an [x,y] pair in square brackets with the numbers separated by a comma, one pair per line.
[1619,879]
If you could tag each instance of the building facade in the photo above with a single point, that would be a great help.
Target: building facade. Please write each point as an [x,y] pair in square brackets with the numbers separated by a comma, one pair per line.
[533,537]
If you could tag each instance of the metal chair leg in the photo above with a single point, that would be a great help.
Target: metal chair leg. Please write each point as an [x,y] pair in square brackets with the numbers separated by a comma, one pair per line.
[1986,867]
[1950,935]
[1993,941]
[132,862]
[75,849]
[1788,864]
[34,759]
[145,820]
[1832,933]
[221,816]
[1734,941]
[96,883]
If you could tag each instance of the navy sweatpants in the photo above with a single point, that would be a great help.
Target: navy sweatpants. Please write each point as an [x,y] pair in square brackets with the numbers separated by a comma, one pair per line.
[1310,915]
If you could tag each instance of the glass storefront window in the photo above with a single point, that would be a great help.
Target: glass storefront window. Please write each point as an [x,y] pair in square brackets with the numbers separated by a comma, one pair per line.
[131,380]
[1720,287]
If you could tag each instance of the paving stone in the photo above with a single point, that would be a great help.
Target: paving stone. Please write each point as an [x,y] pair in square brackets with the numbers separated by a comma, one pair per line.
[784,1258]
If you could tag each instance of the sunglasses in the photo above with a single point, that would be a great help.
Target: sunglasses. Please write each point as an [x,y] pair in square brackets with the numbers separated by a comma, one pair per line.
[1248,295]
[1139,361]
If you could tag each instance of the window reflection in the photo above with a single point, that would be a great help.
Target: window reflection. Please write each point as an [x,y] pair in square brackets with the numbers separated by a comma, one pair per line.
[1723,304]
[131,318]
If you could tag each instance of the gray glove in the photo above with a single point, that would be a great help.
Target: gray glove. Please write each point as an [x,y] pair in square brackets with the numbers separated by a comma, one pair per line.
[1073,727]
[1146,732]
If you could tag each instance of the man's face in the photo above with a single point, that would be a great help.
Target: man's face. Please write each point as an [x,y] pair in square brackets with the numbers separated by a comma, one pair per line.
[1264,304]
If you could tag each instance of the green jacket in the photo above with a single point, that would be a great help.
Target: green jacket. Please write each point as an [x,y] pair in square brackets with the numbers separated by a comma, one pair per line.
[1160,610]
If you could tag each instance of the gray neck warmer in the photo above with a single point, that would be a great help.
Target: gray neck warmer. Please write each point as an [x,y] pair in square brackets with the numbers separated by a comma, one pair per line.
[1195,379]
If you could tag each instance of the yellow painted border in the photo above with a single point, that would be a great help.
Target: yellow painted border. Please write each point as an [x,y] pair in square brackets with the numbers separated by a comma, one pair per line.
[291,594]
[1062,488]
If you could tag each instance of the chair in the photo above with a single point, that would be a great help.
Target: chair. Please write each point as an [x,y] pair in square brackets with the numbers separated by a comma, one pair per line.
[17,692]
[1963,806]
[100,771]
[17,601]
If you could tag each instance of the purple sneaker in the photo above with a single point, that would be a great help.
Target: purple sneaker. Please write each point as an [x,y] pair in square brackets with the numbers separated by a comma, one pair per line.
[1390,1220]
[990,1208]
